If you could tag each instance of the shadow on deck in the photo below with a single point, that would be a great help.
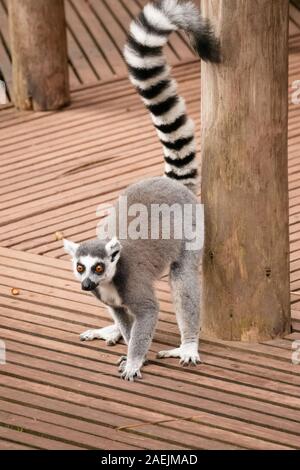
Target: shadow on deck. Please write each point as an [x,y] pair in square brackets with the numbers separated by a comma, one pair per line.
[57,393]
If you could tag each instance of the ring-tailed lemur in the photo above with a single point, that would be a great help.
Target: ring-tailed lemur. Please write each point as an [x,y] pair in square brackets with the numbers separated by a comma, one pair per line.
[121,272]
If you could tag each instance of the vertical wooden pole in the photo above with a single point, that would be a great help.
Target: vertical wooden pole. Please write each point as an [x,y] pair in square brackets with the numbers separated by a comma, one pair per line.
[245,180]
[39,54]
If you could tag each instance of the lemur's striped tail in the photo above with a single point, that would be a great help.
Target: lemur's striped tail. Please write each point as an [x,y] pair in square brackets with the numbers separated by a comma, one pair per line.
[150,74]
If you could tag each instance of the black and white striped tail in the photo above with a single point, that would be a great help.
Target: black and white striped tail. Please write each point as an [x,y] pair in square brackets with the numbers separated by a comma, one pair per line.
[150,74]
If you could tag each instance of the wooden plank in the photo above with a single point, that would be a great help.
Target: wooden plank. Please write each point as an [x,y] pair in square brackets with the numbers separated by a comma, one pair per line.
[104,435]
[6,445]
[104,15]
[91,430]
[101,39]
[87,59]
[245,441]
[19,437]
[66,436]
[81,67]
[73,78]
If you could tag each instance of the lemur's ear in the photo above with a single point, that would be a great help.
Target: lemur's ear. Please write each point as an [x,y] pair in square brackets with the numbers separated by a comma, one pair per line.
[113,249]
[70,247]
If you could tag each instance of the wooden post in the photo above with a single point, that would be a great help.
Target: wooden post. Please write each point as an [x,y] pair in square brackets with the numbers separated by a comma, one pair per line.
[39,54]
[244,176]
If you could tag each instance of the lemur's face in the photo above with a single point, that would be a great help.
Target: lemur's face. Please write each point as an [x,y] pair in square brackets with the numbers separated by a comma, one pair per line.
[94,262]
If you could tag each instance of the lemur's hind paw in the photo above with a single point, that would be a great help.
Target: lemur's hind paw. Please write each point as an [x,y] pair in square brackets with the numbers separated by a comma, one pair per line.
[188,354]
[111,334]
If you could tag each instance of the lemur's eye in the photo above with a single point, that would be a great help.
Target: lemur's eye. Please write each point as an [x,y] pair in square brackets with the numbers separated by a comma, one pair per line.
[99,268]
[80,268]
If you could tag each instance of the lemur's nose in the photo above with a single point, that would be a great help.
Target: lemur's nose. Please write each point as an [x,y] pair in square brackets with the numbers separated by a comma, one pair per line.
[87,284]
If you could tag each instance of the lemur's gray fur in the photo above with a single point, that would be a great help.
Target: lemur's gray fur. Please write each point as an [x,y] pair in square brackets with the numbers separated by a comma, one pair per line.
[130,267]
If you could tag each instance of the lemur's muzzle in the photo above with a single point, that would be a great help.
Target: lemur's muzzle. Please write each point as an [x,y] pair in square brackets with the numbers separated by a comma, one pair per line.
[87,284]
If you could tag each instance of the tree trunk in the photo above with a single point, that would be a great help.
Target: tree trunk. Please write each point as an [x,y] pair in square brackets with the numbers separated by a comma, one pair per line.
[244,176]
[39,54]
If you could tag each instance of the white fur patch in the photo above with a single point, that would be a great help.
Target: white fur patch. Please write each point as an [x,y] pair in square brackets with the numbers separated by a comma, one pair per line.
[157,18]
[183,14]
[145,38]
[112,246]
[186,130]
[87,261]
[109,294]
[70,247]
[142,62]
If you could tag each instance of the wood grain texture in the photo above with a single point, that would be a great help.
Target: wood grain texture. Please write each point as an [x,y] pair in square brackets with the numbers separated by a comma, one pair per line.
[244,175]
[39,54]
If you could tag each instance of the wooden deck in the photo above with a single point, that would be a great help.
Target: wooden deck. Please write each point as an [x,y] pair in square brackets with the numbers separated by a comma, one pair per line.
[58,393]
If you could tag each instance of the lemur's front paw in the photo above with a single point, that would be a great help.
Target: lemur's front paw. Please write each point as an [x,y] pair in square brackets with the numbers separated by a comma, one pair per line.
[129,371]
[188,354]
[111,334]
[123,360]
